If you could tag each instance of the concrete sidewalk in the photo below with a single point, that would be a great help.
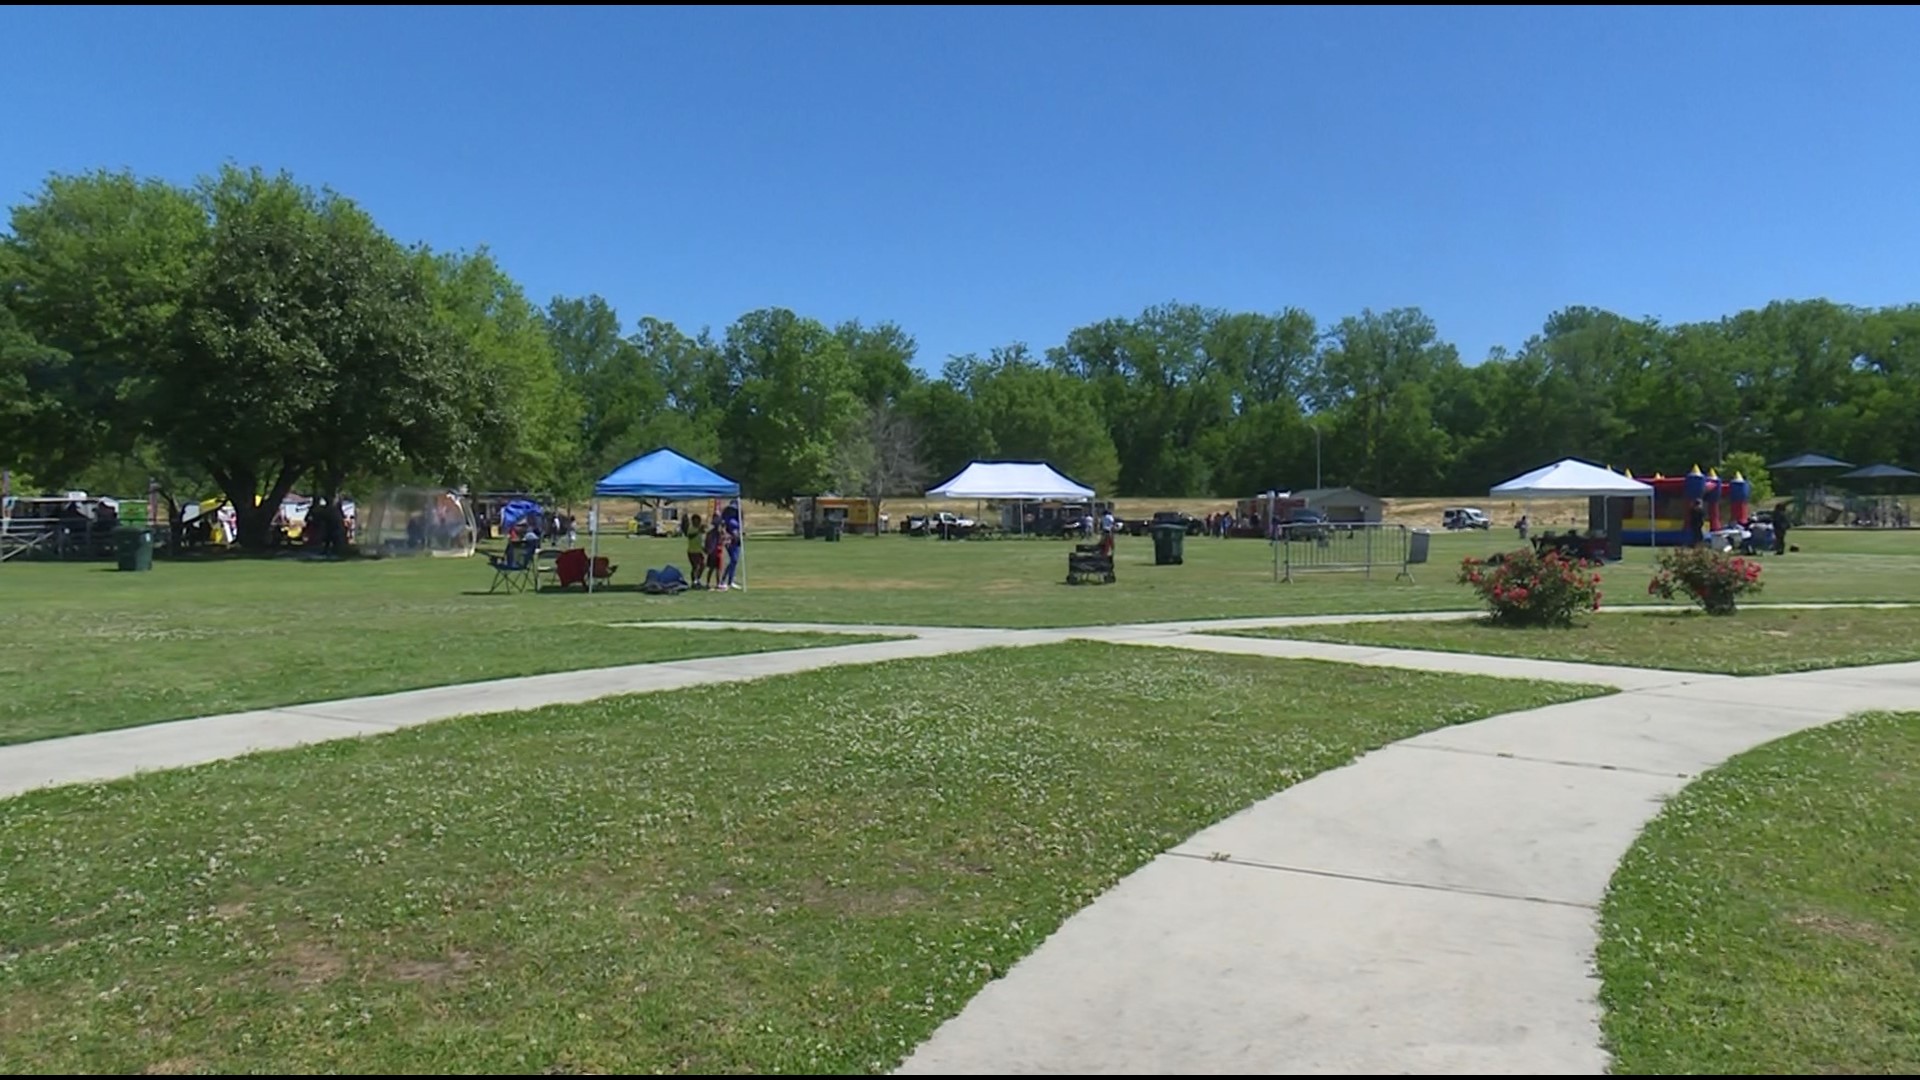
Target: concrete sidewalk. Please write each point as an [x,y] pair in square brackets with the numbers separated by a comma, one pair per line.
[109,755]
[1428,908]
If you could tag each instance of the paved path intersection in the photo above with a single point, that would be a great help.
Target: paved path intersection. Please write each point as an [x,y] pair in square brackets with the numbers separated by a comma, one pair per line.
[1428,908]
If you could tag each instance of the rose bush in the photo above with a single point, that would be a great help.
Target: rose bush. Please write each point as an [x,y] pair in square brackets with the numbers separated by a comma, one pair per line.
[1713,579]
[1522,588]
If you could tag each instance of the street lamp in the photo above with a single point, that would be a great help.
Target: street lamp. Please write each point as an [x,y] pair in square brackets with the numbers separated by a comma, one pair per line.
[1316,456]
[1720,438]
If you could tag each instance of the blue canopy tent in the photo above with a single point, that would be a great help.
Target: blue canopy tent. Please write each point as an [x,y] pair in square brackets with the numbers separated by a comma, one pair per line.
[661,474]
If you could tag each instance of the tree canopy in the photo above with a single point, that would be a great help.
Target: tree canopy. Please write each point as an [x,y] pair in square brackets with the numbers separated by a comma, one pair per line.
[252,333]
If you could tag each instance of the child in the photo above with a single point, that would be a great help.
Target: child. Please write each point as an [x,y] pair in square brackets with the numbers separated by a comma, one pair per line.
[712,544]
[696,547]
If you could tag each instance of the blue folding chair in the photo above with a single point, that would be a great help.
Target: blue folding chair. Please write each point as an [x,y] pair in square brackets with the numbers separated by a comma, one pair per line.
[515,569]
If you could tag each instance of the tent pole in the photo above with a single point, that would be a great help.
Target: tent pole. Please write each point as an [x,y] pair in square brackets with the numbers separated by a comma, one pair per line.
[593,541]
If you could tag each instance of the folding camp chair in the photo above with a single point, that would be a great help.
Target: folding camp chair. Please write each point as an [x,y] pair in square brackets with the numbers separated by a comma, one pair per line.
[515,569]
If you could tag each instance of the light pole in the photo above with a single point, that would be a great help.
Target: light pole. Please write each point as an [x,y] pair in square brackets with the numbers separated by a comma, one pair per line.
[1719,438]
[1316,456]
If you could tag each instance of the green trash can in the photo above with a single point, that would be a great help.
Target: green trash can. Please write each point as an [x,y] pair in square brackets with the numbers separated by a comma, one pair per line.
[134,545]
[833,527]
[1169,545]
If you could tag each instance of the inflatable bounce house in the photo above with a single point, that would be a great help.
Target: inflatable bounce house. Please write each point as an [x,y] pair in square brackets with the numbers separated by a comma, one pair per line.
[1662,520]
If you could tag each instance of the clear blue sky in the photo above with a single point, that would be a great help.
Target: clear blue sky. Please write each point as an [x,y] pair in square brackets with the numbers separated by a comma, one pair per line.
[984,176]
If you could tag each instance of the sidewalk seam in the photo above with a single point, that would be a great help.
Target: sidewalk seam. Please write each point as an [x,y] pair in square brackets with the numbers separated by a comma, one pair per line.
[1366,879]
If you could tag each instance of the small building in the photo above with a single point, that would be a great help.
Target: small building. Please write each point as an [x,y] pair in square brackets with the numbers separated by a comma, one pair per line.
[1344,504]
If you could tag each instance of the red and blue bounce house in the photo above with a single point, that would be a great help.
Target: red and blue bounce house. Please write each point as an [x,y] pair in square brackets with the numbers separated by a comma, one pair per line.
[1661,521]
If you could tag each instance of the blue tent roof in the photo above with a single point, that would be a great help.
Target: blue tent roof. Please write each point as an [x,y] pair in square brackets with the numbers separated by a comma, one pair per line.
[665,474]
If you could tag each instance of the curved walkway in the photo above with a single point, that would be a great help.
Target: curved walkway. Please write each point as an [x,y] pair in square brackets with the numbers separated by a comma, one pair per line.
[1428,908]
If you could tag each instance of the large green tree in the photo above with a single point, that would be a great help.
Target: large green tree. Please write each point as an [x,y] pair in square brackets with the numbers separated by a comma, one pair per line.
[262,331]
[794,392]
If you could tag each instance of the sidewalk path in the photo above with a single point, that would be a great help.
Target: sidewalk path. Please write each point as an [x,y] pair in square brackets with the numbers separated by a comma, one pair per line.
[108,755]
[1429,908]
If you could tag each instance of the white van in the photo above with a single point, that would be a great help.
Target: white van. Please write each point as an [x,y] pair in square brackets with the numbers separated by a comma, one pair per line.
[1465,517]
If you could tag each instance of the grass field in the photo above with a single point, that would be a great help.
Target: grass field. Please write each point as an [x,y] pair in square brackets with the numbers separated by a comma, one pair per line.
[95,668]
[1767,923]
[801,874]
[89,648]
[1752,642]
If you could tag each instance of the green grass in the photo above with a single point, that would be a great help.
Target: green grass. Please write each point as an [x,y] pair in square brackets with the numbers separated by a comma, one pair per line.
[801,874]
[1755,641]
[1767,921]
[88,648]
[78,671]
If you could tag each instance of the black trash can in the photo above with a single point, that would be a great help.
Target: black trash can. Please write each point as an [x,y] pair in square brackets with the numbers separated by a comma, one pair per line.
[134,545]
[832,533]
[1169,545]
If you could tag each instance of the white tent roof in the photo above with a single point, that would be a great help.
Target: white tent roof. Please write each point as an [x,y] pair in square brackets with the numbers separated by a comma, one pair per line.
[1573,477]
[1010,480]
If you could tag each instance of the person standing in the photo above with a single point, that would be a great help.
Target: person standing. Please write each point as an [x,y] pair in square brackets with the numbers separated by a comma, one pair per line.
[730,536]
[715,553]
[1696,523]
[736,531]
[1780,529]
[696,546]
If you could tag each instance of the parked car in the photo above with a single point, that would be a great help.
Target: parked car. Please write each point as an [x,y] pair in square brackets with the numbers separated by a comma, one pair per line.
[1305,524]
[1193,525]
[1465,517]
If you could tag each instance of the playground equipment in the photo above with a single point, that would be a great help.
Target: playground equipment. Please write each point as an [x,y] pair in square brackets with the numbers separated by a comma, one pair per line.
[1661,521]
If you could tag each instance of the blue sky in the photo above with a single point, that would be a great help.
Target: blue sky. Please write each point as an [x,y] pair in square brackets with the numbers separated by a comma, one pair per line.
[983,176]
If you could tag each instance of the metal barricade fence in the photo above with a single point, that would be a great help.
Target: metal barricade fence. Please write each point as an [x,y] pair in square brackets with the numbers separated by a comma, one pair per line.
[1299,548]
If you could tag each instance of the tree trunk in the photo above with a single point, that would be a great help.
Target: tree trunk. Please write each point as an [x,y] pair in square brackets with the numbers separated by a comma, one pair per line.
[876,517]
[255,520]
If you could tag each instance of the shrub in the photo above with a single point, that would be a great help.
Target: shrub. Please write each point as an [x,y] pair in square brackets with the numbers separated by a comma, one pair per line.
[1521,588]
[1713,579]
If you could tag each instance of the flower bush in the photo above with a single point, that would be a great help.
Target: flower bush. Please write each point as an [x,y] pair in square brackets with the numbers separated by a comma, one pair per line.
[1521,588]
[1713,579]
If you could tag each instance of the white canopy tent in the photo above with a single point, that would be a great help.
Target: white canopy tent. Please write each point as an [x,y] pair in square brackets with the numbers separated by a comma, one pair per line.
[1017,481]
[1010,480]
[1572,478]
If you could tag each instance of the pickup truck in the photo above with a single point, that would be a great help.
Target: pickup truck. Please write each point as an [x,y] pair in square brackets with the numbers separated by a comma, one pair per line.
[943,522]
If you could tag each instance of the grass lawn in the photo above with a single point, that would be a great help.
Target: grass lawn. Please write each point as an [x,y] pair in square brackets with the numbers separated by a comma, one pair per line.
[1766,922]
[800,874]
[1756,641]
[88,648]
[77,669]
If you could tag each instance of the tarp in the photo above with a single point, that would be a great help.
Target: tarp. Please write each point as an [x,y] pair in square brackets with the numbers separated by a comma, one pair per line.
[1881,472]
[512,513]
[664,474]
[1573,477]
[1811,461]
[1010,480]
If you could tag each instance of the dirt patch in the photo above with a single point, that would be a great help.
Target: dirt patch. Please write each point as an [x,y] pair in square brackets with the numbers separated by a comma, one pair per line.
[236,909]
[181,1066]
[307,964]
[845,900]
[453,966]
[1840,926]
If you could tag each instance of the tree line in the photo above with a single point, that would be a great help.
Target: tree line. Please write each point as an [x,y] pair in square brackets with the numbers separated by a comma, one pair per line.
[250,333]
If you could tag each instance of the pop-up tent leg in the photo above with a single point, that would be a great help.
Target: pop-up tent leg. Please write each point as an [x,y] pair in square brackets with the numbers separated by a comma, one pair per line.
[593,541]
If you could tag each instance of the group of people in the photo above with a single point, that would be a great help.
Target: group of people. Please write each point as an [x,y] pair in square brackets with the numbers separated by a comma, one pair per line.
[1751,536]
[713,548]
